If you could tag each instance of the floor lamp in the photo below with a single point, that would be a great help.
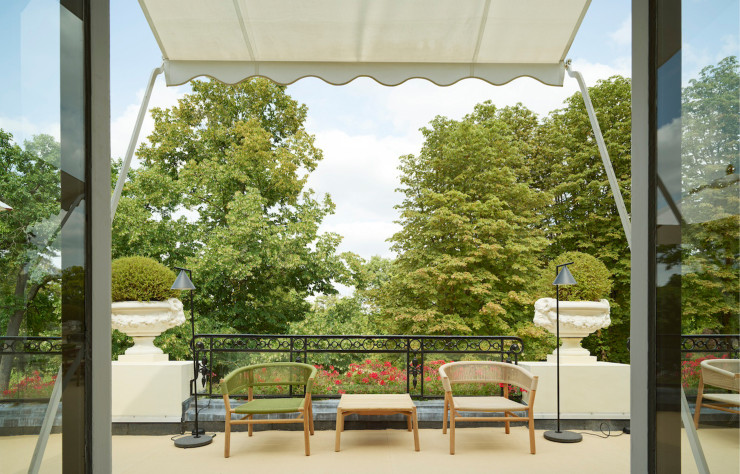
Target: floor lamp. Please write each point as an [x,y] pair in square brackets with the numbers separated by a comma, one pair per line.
[563,277]
[197,438]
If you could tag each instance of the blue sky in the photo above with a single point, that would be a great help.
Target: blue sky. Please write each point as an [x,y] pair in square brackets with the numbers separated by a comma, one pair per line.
[362,127]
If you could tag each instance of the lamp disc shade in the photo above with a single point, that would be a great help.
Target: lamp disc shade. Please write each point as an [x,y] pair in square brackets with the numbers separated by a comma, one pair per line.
[5,207]
[564,278]
[183,282]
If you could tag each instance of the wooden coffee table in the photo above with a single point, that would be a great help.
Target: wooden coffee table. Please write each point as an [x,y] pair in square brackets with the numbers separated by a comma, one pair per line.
[378,404]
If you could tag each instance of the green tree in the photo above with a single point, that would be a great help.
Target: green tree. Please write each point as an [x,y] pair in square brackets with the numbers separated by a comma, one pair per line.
[710,203]
[29,280]
[221,191]
[469,242]
[354,314]
[583,216]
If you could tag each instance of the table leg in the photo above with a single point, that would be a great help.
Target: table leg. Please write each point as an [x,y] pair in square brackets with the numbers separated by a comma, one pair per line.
[339,428]
[409,422]
[416,429]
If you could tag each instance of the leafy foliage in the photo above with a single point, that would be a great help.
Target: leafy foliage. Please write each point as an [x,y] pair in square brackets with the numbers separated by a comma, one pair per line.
[593,281]
[469,237]
[29,278]
[141,279]
[583,216]
[710,157]
[221,191]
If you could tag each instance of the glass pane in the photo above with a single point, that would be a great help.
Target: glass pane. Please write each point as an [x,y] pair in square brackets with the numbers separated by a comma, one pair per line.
[710,228]
[30,252]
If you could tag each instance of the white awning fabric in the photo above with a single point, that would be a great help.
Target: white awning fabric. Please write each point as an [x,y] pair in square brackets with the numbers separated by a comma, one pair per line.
[390,41]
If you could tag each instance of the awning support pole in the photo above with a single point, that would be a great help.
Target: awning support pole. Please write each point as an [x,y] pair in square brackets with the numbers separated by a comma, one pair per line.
[623,215]
[132,143]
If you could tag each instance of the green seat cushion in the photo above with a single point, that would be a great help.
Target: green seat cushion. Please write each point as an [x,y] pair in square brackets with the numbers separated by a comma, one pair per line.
[271,405]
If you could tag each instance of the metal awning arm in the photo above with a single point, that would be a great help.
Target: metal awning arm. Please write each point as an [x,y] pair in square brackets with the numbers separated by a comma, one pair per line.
[132,143]
[623,215]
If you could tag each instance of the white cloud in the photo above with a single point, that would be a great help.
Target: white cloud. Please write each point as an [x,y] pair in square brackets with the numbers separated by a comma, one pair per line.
[623,35]
[361,174]
[23,129]
[123,126]
[414,104]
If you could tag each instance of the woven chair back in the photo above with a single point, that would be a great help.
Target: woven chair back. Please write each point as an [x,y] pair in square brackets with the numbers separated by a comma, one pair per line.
[272,374]
[486,372]
[720,378]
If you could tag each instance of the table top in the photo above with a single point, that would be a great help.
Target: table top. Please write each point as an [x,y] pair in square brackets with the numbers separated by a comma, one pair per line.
[376,401]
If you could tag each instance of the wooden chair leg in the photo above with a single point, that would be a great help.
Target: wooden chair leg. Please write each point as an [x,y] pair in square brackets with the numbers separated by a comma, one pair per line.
[699,395]
[310,417]
[249,426]
[444,417]
[452,431]
[531,433]
[306,435]
[416,429]
[339,428]
[507,423]
[227,434]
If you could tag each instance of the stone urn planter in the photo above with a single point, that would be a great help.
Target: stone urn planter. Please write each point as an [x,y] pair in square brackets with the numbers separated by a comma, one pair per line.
[578,319]
[143,321]
[583,309]
[143,305]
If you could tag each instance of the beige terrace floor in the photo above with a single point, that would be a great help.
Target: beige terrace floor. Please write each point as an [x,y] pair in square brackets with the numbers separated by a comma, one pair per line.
[368,451]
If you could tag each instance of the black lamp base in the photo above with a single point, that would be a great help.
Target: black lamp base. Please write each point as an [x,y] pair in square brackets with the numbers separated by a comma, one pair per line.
[193,441]
[563,436]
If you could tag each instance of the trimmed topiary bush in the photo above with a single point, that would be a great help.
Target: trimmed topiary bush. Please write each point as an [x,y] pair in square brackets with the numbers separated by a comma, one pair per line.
[141,279]
[593,279]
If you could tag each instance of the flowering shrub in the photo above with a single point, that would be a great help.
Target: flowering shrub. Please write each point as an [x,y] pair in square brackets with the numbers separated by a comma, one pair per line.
[33,386]
[691,369]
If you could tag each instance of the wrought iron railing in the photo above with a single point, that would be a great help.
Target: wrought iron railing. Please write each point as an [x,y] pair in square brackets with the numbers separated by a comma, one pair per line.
[22,345]
[412,352]
[698,347]
[30,355]
[712,343]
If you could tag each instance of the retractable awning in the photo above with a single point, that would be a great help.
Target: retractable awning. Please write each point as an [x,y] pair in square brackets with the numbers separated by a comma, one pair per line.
[390,41]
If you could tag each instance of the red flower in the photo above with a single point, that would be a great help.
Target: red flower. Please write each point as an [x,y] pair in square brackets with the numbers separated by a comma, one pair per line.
[337,382]
[382,382]
[365,380]
[374,375]
[387,363]
[340,391]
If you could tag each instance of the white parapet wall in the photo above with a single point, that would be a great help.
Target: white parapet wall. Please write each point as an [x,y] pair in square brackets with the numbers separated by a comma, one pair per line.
[599,390]
[150,392]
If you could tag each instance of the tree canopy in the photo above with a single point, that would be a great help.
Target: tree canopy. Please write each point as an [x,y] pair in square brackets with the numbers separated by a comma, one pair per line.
[221,190]
[710,160]
[469,237]
[29,290]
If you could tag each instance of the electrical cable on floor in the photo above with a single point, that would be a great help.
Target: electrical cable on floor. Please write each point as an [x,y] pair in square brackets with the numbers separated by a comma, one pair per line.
[605,433]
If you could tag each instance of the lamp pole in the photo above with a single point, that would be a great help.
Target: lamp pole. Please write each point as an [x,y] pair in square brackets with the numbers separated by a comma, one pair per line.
[198,437]
[563,277]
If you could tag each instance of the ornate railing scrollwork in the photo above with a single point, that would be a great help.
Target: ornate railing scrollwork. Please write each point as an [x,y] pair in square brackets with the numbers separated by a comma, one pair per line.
[724,343]
[299,348]
[29,345]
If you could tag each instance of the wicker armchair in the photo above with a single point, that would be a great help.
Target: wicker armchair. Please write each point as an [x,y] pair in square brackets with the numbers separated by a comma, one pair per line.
[722,373]
[486,372]
[262,375]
